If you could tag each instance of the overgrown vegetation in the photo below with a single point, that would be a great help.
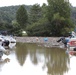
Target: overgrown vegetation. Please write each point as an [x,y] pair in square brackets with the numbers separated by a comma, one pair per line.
[58,18]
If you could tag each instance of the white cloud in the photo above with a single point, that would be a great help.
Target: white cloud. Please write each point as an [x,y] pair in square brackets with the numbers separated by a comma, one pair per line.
[73,2]
[20,2]
[27,2]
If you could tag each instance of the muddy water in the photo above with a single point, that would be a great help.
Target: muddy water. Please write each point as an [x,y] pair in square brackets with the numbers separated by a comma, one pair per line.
[35,59]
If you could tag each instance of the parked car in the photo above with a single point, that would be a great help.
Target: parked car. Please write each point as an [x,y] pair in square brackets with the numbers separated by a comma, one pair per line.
[71,44]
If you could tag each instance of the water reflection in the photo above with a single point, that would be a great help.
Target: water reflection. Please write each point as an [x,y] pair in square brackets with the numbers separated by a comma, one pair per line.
[21,52]
[3,62]
[33,51]
[54,60]
[57,61]
[31,59]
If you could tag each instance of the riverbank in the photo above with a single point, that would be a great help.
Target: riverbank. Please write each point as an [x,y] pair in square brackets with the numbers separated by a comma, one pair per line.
[52,41]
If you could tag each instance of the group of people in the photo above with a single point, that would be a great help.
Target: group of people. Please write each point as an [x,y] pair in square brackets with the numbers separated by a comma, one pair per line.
[65,40]
[2,48]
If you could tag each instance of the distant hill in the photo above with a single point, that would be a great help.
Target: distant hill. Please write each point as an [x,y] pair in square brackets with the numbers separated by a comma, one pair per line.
[73,14]
[7,14]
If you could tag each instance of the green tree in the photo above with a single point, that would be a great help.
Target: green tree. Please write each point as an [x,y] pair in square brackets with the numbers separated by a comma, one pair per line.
[59,16]
[35,13]
[58,6]
[44,10]
[16,30]
[22,16]
[40,28]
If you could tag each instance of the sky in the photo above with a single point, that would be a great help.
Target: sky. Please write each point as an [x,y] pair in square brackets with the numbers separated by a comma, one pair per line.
[27,2]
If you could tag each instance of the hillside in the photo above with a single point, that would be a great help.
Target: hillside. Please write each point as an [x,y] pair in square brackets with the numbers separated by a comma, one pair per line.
[8,13]
[73,14]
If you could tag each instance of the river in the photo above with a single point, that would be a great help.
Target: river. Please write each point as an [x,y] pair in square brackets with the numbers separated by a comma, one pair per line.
[35,59]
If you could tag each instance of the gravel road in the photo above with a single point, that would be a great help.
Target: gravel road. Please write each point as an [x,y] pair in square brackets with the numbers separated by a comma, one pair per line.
[52,41]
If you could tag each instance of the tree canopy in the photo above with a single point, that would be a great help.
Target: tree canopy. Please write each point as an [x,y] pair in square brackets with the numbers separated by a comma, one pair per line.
[55,19]
[22,16]
[58,14]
